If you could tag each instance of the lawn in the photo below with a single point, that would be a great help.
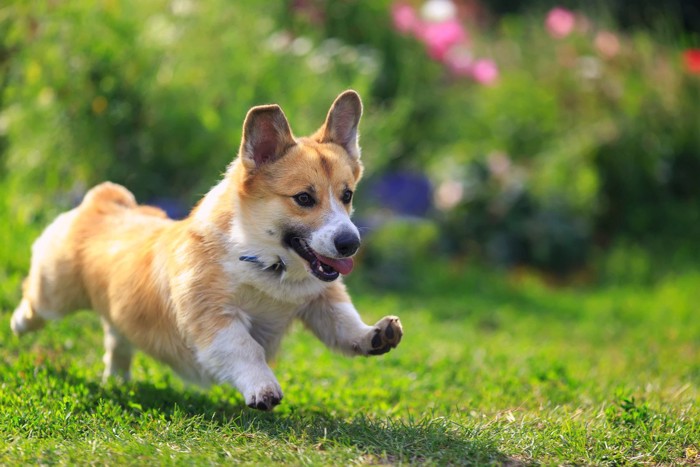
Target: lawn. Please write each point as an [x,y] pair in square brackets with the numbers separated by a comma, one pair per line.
[494,368]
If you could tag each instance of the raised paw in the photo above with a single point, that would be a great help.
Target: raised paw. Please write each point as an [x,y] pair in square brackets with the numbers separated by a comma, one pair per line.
[265,399]
[387,335]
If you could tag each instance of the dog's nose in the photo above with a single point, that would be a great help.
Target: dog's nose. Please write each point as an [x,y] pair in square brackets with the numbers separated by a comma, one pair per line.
[347,243]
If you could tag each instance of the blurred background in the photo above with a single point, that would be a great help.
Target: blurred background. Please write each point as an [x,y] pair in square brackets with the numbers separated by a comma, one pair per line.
[561,137]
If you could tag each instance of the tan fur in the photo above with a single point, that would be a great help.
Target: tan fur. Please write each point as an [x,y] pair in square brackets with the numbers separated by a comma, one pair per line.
[178,290]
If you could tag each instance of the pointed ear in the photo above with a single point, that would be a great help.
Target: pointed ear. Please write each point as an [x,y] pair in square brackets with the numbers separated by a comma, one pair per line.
[266,135]
[342,122]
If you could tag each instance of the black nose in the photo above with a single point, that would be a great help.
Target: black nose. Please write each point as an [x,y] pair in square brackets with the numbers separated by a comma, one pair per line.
[347,243]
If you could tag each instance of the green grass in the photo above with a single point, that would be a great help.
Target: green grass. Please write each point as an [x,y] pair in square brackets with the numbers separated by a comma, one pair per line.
[493,368]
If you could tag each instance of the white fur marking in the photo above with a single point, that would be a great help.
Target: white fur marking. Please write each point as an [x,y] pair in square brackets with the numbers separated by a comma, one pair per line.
[205,211]
[336,221]
[234,357]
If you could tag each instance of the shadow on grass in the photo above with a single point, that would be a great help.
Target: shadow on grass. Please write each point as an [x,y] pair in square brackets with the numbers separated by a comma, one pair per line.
[381,440]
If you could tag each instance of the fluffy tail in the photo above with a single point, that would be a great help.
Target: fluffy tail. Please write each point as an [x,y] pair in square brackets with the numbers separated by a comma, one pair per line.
[109,195]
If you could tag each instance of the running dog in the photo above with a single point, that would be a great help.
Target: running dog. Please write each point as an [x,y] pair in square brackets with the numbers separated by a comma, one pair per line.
[213,294]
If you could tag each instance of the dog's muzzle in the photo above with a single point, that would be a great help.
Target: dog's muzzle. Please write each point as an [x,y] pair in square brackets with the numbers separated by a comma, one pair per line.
[325,268]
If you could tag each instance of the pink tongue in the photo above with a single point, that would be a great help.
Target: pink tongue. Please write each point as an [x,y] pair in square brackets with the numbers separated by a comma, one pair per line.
[343,266]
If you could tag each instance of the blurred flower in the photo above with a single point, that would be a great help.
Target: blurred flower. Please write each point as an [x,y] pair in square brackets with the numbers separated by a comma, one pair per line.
[348,55]
[607,43]
[333,51]
[311,10]
[440,37]
[182,7]
[560,22]
[160,30]
[691,59]
[301,46]
[589,67]
[46,97]
[444,37]
[438,11]
[279,41]
[403,192]
[318,63]
[330,46]
[448,195]
[485,71]
[459,61]
[583,24]
[368,61]
[499,165]
[404,17]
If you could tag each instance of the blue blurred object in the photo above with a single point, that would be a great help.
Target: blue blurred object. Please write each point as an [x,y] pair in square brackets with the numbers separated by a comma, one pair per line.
[173,207]
[406,193]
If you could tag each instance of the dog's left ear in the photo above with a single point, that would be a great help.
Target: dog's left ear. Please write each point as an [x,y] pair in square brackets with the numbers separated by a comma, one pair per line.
[342,122]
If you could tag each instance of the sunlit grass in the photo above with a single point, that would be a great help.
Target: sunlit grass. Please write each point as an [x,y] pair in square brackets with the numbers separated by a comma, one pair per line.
[493,368]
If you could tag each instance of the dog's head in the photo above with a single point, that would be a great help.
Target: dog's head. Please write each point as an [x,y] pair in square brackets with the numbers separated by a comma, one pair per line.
[296,193]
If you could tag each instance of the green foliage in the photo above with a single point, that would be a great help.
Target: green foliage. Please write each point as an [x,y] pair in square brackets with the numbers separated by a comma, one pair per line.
[598,145]
[573,142]
[149,95]
[398,251]
[599,130]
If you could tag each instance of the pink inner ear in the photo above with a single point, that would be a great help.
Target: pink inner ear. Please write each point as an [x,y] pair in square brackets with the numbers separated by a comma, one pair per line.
[342,122]
[343,130]
[267,135]
[265,141]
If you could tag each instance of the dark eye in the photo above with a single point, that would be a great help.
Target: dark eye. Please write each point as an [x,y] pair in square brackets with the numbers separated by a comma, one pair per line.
[347,196]
[304,199]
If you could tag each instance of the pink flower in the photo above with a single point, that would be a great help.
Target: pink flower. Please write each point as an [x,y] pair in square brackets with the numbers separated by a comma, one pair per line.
[560,22]
[485,71]
[459,61]
[440,37]
[607,43]
[438,10]
[691,59]
[404,17]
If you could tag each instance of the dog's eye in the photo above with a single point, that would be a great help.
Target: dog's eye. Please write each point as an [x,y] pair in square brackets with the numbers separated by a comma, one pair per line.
[347,196]
[304,199]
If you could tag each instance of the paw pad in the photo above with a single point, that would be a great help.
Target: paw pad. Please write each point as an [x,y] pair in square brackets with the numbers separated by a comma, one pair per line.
[387,335]
[265,402]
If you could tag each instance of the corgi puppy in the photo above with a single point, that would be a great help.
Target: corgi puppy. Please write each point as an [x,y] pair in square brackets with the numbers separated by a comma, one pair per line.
[213,294]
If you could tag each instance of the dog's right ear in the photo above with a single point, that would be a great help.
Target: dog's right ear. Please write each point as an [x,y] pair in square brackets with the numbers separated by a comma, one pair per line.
[266,136]
[342,122]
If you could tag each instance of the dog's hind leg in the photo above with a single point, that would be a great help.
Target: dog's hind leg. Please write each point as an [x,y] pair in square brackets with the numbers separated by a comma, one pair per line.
[47,294]
[118,353]
[25,319]
[53,287]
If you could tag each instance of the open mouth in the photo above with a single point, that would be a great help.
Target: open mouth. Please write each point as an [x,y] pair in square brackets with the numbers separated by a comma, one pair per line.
[325,268]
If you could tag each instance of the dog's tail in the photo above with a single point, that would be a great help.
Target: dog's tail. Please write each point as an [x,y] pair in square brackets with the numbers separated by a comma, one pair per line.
[108,196]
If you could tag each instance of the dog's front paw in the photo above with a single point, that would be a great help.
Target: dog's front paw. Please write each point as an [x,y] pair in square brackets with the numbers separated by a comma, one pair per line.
[266,397]
[386,335]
